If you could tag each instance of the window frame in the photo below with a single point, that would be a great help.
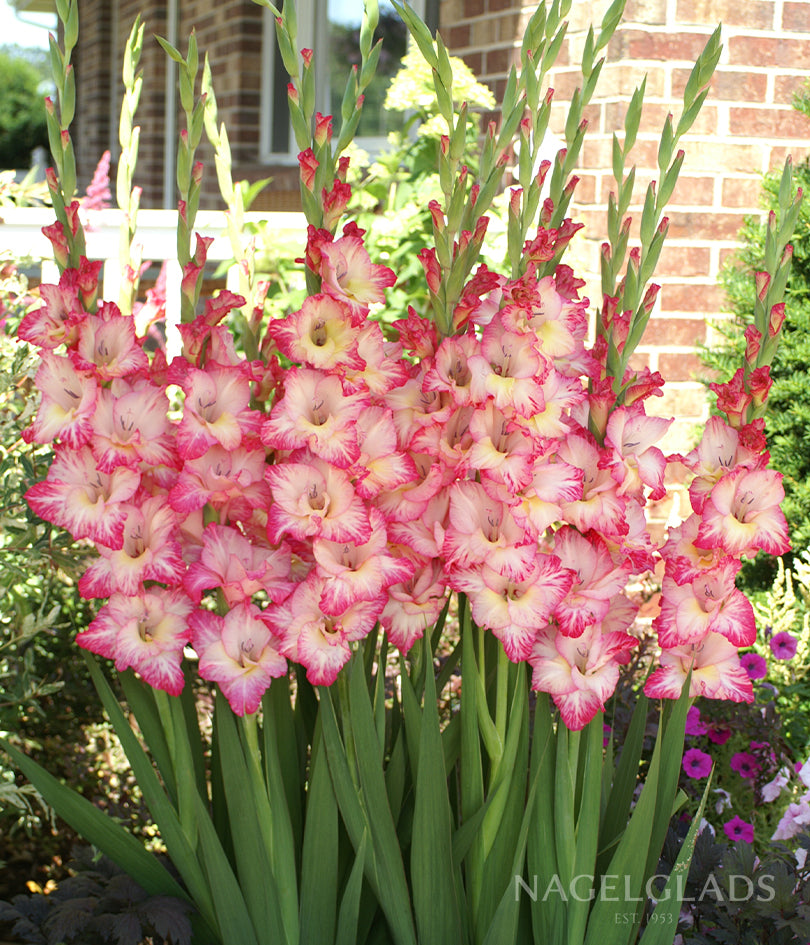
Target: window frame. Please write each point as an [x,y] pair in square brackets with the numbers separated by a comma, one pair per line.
[312,34]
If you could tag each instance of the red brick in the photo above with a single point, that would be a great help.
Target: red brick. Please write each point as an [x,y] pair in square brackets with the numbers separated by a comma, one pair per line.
[622,78]
[726,255]
[653,117]
[495,5]
[753,14]
[667,46]
[779,154]
[768,51]
[458,36]
[685,260]
[786,86]
[731,156]
[475,60]
[586,189]
[742,192]
[768,123]
[498,61]
[472,8]
[693,191]
[648,12]
[684,332]
[795,17]
[705,225]
[689,191]
[691,298]
[564,82]
[727,85]
[679,367]
[639,360]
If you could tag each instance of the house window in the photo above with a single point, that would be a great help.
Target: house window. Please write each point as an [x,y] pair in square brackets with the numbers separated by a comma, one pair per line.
[332,29]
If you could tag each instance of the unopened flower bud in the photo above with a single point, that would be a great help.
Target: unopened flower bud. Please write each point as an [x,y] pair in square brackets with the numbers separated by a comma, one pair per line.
[761,282]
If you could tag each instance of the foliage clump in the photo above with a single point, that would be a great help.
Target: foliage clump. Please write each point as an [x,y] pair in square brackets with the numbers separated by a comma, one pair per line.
[22,117]
[97,904]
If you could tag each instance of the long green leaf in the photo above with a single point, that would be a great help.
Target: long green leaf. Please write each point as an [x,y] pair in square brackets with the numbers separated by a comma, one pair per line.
[229,903]
[395,902]
[541,848]
[504,924]
[257,884]
[141,701]
[624,783]
[348,920]
[663,923]
[438,919]
[319,860]
[471,775]
[274,817]
[181,851]
[98,828]
[587,828]
[627,866]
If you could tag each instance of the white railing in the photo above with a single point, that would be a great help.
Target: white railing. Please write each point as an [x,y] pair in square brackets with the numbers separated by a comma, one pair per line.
[21,234]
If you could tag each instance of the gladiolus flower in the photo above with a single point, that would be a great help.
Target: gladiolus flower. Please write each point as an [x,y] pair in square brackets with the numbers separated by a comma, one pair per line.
[716,672]
[238,652]
[146,632]
[742,514]
[580,674]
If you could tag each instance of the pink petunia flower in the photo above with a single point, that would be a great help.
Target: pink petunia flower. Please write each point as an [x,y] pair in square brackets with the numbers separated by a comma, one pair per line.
[696,763]
[783,645]
[745,764]
[755,665]
[694,725]
[737,829]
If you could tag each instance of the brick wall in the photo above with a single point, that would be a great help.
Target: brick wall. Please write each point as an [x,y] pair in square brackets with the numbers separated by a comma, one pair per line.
[231,33]
[747,127]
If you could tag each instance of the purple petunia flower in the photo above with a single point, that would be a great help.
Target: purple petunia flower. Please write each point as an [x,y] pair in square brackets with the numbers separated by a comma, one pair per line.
[694,726]
[755,665]
[737,829]
[783,645]
[696,763]
[745,764]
